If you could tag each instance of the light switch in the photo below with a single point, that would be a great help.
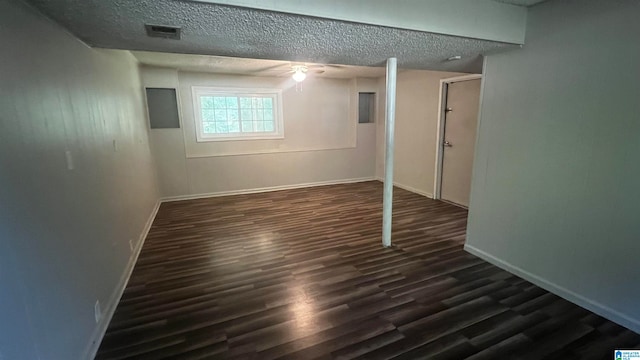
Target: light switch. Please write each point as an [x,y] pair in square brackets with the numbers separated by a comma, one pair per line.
[69,157]
[97,311]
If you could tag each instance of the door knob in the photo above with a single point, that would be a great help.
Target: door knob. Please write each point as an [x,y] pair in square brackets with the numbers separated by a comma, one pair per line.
[447,144]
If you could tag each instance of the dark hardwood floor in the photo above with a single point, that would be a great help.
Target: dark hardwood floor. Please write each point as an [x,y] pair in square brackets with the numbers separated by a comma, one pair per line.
[301,274]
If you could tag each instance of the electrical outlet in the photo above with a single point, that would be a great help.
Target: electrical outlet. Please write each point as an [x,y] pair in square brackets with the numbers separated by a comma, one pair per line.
[69,157]
[131,244]
[97,311]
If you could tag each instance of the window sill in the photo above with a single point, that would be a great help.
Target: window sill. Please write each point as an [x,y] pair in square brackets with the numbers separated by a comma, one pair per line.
[244,138]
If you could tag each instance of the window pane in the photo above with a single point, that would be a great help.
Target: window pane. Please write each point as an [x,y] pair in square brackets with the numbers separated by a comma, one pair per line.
[258,115]
[267,103]
[221,115]
[257,102]
[206,102]
[234,127]
[268,126]
[245,103]
[208,128]
[207,115]
[232,102]
[222,127]
[219,102]
[260,126]
[246,115]
[268,114]
[247,126]
[232,115]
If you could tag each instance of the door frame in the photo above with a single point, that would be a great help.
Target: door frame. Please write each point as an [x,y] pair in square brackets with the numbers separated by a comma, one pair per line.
[442,100]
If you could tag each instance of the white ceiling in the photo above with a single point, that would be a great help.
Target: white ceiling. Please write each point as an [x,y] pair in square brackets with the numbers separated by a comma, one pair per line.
[255,67]
[211,29]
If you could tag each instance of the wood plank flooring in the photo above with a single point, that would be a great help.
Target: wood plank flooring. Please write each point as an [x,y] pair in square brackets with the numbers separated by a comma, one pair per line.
[301,274]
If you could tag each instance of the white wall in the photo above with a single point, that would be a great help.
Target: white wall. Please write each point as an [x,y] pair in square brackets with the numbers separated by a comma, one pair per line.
[555,194]
[323,142]
[64,235]
[478,19]
[417,93]
[316,117]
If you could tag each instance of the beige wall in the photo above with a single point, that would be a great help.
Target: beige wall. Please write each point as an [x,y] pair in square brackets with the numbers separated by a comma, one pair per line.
[554,195]
[316,117]
[417,95]
[64,234]
[323,142]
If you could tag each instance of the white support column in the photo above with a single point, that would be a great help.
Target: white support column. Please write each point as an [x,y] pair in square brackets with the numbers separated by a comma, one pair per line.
[390,119]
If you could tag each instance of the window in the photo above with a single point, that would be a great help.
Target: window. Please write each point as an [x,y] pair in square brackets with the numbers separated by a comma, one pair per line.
[366,107]
[237,114]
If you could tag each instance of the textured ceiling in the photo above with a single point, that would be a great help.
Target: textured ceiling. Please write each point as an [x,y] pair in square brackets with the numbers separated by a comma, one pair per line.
[521,2]
[211,29]
[255,67]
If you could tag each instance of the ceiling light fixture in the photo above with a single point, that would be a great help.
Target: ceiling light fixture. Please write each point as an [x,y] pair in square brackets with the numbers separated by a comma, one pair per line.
[453,58]
[299,73]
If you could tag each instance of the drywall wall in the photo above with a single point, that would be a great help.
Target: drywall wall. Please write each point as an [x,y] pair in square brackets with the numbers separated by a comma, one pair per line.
[417,94]
[64,234]
[555,194]
[490,20]
[315,114]
[323,142]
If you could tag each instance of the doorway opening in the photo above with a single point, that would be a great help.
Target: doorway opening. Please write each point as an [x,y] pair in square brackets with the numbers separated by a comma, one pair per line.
[456,138]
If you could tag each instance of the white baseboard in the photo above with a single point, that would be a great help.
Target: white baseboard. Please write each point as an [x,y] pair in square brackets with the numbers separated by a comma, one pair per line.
[265,189]
[409,188]
[114,299]
[591,305]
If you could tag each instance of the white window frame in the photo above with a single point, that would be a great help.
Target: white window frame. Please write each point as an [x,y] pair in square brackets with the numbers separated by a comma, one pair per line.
[275,94]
